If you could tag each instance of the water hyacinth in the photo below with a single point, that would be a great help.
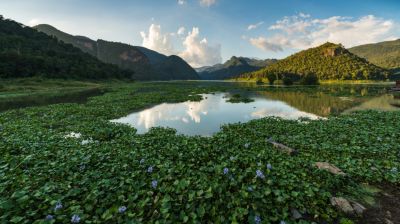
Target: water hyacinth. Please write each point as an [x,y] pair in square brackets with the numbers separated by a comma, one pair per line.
[58,206]
[150,169]
[260,174]
[49,218]
[75,219]
[122,209]
[257,219]
[269,166]
[154,184]
[226,171]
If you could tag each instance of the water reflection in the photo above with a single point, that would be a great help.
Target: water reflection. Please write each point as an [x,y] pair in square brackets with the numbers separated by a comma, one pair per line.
[206,117]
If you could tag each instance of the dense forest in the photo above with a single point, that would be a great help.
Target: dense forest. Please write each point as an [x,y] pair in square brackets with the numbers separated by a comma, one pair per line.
[146,64]
[385,54]
[326,62]
[25,52]
[233,67]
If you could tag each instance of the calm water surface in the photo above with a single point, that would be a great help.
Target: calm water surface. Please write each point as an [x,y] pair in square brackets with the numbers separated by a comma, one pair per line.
[206,117]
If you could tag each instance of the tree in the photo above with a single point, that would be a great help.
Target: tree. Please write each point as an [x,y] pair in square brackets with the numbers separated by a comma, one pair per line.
[271,77]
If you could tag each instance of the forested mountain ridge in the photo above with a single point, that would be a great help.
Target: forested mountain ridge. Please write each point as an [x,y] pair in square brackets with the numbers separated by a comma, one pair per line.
[25,52]
[147,64]
[327,62]
[385,54]
[233,67]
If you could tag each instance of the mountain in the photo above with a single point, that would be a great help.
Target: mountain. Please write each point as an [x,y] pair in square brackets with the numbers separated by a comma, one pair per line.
[25,52]
[327,62]
[385,54]
[147,64]
[233,67]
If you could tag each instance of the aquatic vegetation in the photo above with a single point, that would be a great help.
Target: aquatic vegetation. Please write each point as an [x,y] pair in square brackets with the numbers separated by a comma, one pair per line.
[237,98]
[41,169]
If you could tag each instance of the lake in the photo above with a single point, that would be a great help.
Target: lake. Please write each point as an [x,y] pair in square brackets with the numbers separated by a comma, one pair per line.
[206,117]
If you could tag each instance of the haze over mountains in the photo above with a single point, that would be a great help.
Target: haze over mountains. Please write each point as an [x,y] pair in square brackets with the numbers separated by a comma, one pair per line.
[233,67]
[146,64]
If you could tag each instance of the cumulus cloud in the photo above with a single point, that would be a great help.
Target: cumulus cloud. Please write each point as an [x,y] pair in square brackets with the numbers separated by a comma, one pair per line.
[207,3]
[181,2]
[302,31]
[157,41]
[266,44]
[198,52]
[254,26]
[33,22]
[181,31]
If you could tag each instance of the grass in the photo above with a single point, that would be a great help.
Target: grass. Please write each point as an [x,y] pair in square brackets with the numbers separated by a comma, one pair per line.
[108,166]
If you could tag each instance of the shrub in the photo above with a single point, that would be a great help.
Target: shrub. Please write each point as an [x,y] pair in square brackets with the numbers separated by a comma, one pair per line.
[287,81]
[309,79]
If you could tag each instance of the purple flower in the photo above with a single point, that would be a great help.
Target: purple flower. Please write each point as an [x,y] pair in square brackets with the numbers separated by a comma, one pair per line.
[141,161]
[49,217]
[122,209]
[75,219]
[58,206]
[260,174]
[154,183]
[226,170]
[257,219]
[269,166]
[150,169]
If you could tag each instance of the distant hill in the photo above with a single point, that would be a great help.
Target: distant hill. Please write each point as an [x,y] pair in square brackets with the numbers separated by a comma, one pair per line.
[385,54]
[147,64]
[328,62]
[25,52]
[233,67]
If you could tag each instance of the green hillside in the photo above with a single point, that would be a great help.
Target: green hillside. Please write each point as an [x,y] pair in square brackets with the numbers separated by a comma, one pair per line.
[25,52]
[233,67]
[385,54]
[147,64]
[327,62]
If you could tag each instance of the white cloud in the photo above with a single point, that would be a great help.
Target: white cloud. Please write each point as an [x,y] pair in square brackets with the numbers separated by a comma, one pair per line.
[301,32]
[198,52]
[156,40]
[181,2]
[254,26]
[181,31]
[207,3]
[272,44]
[34,22]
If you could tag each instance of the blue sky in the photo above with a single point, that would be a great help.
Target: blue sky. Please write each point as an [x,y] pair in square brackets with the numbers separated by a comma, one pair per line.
[211,31]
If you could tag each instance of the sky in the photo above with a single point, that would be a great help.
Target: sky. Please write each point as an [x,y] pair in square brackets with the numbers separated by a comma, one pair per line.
[207,32]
